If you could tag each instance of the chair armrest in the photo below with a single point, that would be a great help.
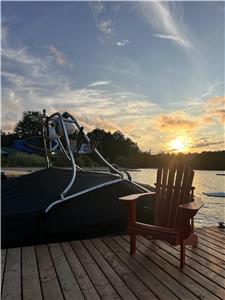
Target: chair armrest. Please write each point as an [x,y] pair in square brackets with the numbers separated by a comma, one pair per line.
[195,205]
[131,200]
[134,197]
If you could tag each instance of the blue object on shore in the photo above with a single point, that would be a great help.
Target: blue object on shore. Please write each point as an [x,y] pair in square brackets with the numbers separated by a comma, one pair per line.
[214,194]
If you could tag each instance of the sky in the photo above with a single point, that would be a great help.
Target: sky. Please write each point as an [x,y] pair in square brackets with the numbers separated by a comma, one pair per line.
[153,70]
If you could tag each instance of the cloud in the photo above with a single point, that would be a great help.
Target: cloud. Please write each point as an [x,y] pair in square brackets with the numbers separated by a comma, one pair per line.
[41,85]
[214,109]
[220,114]
[208,144]
[167,37]
[167,19]
[96,122]
[122,43]
[105,26]
[99,83]
[59,58]
[211,89]
[176,121]
[97,7]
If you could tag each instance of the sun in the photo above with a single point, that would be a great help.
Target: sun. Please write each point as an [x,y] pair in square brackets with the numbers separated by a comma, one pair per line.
[179,144]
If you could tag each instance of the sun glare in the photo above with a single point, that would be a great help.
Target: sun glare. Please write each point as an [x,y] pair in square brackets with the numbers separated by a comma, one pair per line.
[180,144]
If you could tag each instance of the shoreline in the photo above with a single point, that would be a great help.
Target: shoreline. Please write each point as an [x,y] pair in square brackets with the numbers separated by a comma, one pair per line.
[18,171]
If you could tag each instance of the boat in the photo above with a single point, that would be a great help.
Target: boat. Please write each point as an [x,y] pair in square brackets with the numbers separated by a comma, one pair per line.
[214,194]
[58,204]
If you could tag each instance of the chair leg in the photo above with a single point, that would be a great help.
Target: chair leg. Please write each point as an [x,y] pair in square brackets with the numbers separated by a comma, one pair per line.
[132,244]
[182,254]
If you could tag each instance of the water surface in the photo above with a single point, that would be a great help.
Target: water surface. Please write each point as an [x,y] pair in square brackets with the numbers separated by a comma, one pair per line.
[204,181]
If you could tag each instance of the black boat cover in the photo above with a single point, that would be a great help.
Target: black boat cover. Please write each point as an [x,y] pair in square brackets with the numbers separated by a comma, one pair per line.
[95,213]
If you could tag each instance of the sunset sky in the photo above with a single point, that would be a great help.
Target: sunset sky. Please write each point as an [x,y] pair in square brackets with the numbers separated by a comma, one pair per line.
[153,70]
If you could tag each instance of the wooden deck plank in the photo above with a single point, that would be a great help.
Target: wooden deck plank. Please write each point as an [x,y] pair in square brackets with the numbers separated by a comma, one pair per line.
[68,283]
[173,285]
[212,252]
[218,234]
[212,246]
[50,286]
[3,260]
[204,261]
[219,231]
[131,278]
[204,253]
[171,267]
[99,280]
[111,275]
[85,283]
[103,269]
[30,277]
[217,279]
[206,237]
[12,278]
[209,288]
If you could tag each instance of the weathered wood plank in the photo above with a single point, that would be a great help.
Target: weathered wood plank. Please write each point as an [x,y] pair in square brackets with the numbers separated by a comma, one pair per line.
[212,246]
[215,278]
[3,260]
[208,289]
[30,277]
[205,231]
[12,278]
[142,275]
[85,284]
[99,280]
[212,252]
[171,266]
[172,285]
[203,261]
[68,283]
[50,286]
[103,269]
[215,234]
[206,237]
[111,275]
[217,230]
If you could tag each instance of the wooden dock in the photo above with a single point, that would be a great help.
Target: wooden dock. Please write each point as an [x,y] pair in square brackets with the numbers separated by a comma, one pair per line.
[103,269]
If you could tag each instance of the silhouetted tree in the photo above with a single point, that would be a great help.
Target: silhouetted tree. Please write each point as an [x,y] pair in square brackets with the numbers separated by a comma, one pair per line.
[30,125]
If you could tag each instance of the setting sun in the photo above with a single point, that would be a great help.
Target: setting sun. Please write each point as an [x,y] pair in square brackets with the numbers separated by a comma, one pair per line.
[180,144]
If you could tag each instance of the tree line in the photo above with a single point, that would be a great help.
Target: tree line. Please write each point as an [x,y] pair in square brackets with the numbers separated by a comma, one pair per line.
[118,149]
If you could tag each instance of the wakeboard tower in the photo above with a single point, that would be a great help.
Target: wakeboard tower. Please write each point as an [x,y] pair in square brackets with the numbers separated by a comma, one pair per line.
[57,204]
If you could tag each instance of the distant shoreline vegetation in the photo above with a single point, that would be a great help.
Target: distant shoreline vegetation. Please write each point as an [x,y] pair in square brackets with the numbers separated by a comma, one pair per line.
[115,153]
[115,147]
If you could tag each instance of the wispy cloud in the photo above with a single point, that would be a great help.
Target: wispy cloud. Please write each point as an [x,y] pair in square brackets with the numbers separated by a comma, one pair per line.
[167,37]
[99,83]
[105,26]
[59,57]
[122,43]
[103,23]
[176,121]
[207,143]
[214,110]
[167,19]
[42,85]
[211,89]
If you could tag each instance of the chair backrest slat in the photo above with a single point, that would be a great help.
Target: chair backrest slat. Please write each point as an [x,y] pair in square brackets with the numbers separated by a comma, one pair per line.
[173,187]
[176,197]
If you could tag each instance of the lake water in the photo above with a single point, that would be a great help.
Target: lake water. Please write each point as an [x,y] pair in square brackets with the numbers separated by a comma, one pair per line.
[213,210]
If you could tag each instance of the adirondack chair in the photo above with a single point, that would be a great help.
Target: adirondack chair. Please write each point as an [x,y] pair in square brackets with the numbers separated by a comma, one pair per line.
[175,207]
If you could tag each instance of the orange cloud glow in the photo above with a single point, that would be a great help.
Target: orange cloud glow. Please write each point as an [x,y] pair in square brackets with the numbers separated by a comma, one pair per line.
[175,121]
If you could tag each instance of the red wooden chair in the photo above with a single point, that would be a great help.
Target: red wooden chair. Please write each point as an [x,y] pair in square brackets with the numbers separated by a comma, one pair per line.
[175,207]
